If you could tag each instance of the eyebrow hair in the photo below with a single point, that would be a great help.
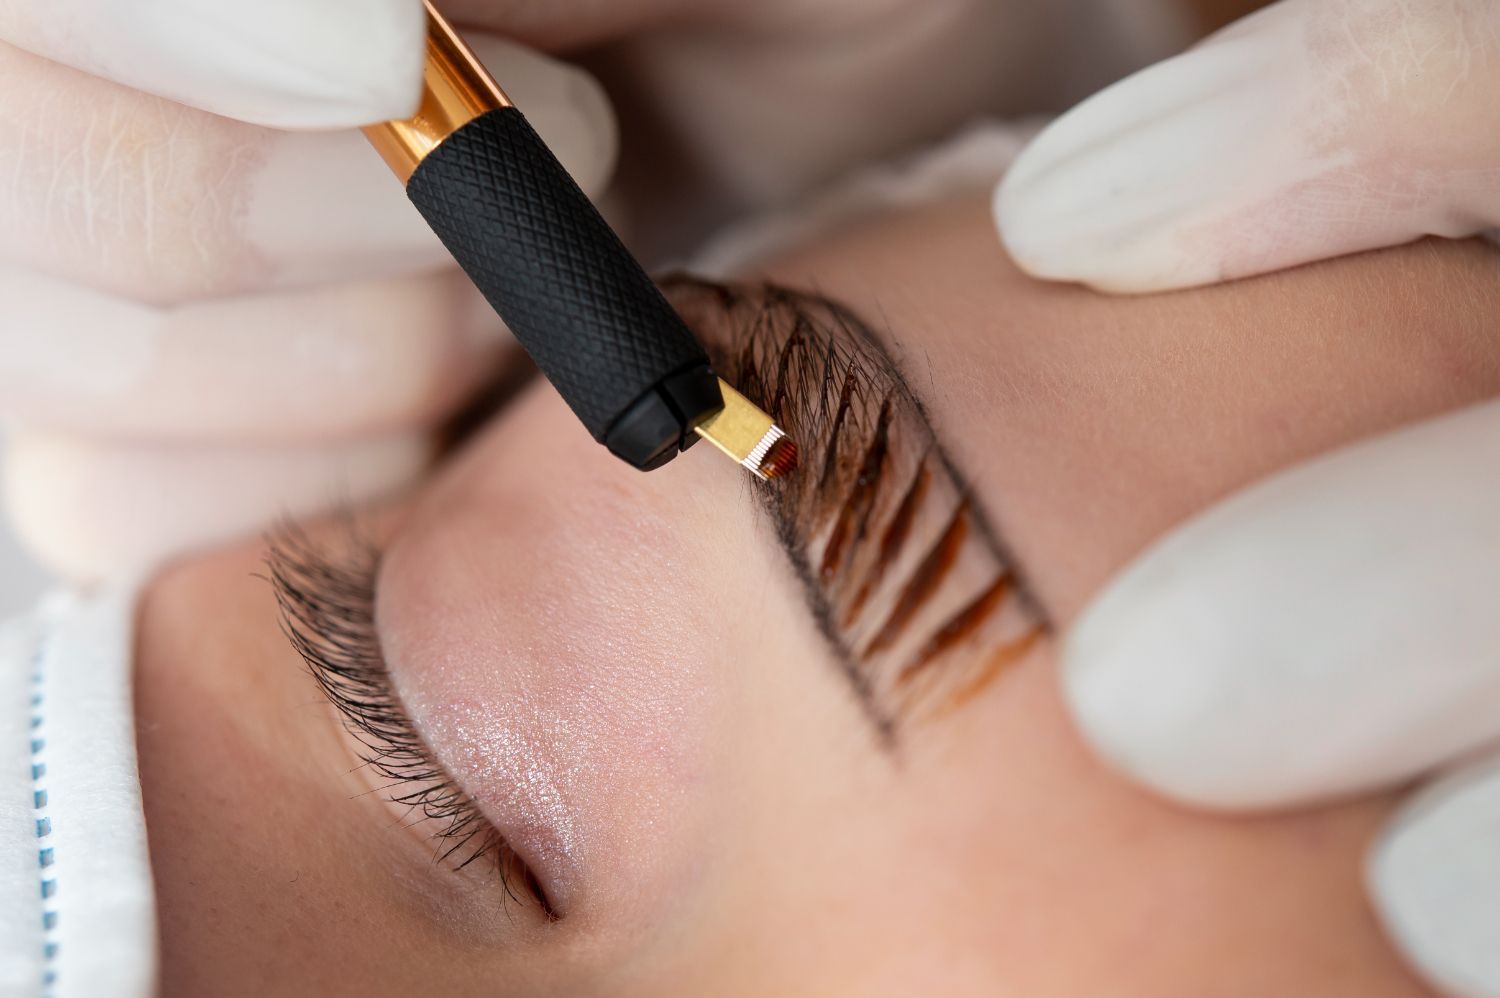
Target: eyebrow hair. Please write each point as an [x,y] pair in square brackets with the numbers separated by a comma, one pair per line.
[842,393]
[983,521]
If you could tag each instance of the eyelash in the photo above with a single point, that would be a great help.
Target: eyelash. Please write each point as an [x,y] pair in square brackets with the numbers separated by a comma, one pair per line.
[327,604]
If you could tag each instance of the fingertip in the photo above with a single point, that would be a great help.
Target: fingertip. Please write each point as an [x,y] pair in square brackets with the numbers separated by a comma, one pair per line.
[1434,875]
[92,510]
[1146,685]
[1306,131]
[284,64]
[1320,634]
[1014,224]
[567,106]
[1149,184]
[373,64]
[1048,238]
[600,150]
[1028,212]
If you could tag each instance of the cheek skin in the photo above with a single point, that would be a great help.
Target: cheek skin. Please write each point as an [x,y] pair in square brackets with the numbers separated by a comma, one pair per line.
[561,683]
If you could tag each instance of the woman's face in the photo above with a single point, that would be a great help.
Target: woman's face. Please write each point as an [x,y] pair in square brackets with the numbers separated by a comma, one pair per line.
[723,738]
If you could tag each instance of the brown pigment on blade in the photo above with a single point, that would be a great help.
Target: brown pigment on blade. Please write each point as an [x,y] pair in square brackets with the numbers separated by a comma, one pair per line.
[960,626]
[929,575]
[852,520]
[781,459]
[891,542]
[996,663]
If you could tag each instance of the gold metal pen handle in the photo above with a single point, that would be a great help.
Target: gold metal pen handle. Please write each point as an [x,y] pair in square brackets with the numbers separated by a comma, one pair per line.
[456,89]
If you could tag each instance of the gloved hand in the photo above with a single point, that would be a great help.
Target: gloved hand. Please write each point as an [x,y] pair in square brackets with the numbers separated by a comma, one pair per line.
[207,322]
[1334,629]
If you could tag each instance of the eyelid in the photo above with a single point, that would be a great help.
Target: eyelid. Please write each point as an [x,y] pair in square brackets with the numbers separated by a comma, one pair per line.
[326,597]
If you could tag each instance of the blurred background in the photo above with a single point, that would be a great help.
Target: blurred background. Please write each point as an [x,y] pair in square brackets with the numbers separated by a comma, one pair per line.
[21,579]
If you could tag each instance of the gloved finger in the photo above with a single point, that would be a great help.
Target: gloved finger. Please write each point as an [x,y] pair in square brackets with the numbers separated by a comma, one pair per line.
[1309,130]
[1434,875]
[295,64]
[90,510]
[294,366]
[281,63]
[1329,630]
[115,189]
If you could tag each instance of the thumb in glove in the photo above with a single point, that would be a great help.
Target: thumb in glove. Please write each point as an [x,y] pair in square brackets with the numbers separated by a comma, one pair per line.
[1309,130]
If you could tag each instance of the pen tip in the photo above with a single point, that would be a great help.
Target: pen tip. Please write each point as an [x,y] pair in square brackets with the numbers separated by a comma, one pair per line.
[781,459]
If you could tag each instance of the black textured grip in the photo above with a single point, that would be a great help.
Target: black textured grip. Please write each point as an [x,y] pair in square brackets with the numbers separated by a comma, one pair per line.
[534,244]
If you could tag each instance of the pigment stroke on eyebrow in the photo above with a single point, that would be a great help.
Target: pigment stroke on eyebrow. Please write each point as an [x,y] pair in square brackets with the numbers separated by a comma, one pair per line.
[892,541]
[924,582]
[906,576]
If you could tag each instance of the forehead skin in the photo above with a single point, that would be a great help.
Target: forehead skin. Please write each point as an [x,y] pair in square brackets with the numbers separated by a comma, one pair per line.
[995,856]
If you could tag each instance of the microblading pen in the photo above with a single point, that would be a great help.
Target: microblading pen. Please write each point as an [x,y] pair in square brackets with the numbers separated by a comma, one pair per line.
[577,300]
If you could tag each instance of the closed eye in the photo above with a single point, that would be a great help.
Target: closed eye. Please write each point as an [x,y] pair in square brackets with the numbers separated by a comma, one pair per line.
[326,596]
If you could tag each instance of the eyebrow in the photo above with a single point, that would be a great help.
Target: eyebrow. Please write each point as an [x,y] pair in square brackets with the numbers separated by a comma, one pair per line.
[763,376]
[876,350]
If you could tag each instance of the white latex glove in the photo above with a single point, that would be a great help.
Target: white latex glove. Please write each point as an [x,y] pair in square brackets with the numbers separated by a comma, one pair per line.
[1335,629]
[207,323]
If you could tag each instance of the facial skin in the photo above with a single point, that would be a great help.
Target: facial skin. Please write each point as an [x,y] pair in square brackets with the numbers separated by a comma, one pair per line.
[700,794]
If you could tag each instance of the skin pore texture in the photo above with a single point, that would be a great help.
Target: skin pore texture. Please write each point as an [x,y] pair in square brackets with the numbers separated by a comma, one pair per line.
[622,672]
